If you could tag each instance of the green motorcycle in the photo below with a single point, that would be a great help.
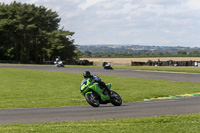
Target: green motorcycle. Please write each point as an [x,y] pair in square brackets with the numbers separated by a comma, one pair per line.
[95,96]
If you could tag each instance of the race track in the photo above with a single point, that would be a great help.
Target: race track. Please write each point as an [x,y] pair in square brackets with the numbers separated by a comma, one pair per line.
[136,109]
[186,77]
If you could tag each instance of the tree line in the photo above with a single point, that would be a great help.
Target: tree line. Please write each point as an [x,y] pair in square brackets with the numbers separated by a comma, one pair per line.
[114,51]
[182,53]
[31,33]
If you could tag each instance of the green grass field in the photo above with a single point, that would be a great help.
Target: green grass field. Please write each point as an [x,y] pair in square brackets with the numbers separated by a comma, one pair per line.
[162,124]
[22,88]
[169,69]
[33,88]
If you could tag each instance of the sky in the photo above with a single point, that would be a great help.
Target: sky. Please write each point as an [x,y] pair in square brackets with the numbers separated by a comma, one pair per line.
[128,22]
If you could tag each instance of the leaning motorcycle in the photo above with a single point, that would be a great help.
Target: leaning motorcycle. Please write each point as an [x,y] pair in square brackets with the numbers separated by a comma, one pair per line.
[95,96]
[107,66]
[59,64]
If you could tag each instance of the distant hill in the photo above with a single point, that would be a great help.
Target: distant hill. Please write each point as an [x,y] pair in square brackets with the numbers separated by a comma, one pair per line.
[136,50]
[133,48]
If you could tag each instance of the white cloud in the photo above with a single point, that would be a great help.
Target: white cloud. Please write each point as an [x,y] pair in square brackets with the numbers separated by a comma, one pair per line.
[150,22]
[6,2]
[31,1]
[89,3]
[194,4]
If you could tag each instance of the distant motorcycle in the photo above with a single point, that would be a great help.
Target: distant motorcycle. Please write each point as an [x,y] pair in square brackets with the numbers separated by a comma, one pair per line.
[107,66]
[59,64]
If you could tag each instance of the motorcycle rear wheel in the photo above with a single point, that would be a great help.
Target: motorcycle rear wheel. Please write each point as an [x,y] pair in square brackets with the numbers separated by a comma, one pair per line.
[92,100]
[116,101]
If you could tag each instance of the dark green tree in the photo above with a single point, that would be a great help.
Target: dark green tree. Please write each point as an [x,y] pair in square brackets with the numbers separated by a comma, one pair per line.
[30,33]
[59,44]
[182,52]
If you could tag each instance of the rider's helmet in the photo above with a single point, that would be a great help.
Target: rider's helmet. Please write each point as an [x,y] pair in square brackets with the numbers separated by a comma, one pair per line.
[87,74]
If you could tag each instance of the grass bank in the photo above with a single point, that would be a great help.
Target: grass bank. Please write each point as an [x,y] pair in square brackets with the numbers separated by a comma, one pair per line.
[22,88]
[168,69]
[189,123]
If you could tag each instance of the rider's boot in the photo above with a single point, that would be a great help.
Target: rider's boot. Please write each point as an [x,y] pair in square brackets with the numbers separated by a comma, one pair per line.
[106,91]
[110,93]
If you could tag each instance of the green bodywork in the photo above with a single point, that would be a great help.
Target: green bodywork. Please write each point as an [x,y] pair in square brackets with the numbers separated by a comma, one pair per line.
[94,87]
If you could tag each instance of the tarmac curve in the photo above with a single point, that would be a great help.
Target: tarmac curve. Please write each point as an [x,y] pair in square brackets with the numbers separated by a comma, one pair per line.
[126,110]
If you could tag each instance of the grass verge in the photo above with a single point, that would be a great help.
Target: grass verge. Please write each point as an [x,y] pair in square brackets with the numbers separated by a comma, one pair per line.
[189,123]
[169,69]
[22,88]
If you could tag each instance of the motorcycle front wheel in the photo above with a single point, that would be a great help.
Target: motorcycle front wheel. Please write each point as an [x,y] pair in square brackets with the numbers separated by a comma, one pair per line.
[92,100]
[116,100]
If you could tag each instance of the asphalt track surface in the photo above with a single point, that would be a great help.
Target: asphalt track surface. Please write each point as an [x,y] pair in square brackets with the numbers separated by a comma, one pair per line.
[171,76]
[126,110]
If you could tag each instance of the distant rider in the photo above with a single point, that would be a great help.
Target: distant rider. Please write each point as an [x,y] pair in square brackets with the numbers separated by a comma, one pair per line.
[106,64]
[88,79]
[57,60]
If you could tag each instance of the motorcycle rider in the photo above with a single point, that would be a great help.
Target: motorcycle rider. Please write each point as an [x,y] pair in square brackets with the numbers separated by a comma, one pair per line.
[106,65]
[92,79]
[57,60]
